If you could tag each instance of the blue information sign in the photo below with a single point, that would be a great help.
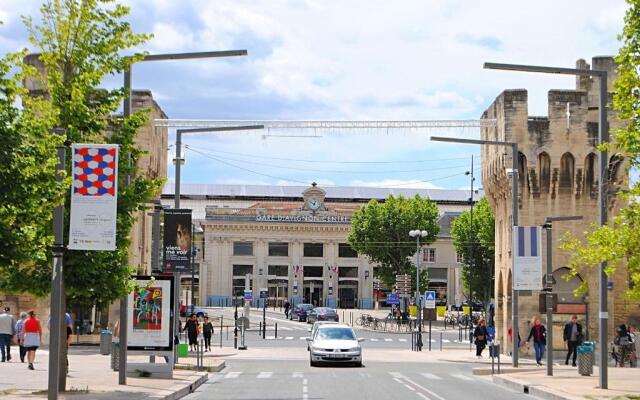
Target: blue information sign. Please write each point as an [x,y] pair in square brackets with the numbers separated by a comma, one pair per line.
[392,298]
[248,295]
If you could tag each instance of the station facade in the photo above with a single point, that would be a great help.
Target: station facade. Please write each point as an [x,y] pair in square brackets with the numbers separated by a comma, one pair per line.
[292,241]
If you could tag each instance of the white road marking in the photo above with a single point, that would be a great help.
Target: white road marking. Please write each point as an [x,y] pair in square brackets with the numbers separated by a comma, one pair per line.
[289,338]
[463,377]
[265,375]
[423,396]
[399,377]
[446,341]
[431,376]
[388,340]
[232,375]
[374,339]
[303,338]
[402,340]
[409,387]
[297,375]
[305,389]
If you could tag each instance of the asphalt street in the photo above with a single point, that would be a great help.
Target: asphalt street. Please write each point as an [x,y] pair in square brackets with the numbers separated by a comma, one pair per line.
[277,379]
[278,368]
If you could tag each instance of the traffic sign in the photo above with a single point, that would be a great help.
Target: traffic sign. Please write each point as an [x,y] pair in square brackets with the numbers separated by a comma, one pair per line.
[248,295]
[430,299]
[264,293]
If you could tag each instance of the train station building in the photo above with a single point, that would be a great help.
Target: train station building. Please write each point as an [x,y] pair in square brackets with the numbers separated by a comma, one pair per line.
[292,240]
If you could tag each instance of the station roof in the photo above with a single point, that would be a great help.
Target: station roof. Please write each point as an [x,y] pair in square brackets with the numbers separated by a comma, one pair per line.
[333,193]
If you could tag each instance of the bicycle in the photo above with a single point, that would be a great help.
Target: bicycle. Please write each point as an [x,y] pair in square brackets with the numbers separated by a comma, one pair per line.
[623,354]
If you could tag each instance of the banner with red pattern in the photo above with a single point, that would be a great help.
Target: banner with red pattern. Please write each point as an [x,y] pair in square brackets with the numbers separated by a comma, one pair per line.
[94,197]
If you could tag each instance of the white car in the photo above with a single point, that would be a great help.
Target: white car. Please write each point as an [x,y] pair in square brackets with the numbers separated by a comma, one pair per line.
[335,343]
[316,324]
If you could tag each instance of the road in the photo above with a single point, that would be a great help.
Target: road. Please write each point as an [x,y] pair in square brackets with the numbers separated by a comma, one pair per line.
[279,369]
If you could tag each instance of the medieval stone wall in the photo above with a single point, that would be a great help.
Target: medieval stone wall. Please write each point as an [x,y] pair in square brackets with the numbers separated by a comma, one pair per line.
[558,176]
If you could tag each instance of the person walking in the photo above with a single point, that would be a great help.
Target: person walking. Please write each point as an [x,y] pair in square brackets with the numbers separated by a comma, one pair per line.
[7,330]
[20,335]
[539,335]
[191,326]
[573,336]
[481,335]
[32,336]
[207,332]
[287,307]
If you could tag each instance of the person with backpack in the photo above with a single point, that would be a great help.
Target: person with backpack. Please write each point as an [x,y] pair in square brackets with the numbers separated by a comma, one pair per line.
[539,335]
[207,332]
[287,307]
[573,336]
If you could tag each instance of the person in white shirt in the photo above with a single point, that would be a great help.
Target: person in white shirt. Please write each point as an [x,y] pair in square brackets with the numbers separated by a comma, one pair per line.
[7,330]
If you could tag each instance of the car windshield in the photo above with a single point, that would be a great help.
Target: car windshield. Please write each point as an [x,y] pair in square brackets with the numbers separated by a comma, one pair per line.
[322,310]
[335,334]
[306,307]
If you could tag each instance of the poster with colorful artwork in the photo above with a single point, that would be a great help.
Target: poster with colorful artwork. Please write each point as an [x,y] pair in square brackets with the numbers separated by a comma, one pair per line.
[94,197]
[149,324]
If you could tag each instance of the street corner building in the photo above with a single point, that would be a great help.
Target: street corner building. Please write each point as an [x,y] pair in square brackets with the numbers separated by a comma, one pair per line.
[558,176]
[292,241]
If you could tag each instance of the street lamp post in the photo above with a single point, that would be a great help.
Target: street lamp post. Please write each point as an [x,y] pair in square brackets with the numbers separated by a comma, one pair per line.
[471,248]
[418,234]
[548,283]
[194,252]
[603,138]
[126,112]
[514,218]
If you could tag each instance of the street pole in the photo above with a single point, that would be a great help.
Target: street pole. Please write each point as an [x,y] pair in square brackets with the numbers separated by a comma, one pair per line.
[514,217]
[471,260]
[193,270]
[548,226]
[418,305]
[57,317]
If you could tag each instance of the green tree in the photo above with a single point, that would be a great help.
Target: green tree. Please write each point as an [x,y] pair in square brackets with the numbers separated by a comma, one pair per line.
[381,232]
[475,244]
[80,43]
[618,243]
[28,188]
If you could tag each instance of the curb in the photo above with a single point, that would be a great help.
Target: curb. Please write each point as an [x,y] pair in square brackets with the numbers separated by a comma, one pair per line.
[210,368]
[188,389]
[483,371]
[539,391]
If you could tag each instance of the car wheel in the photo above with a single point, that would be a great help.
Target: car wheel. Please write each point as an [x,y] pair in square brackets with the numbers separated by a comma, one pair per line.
[358,364]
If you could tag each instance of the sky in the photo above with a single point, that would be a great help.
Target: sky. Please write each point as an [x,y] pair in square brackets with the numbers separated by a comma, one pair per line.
[347,60]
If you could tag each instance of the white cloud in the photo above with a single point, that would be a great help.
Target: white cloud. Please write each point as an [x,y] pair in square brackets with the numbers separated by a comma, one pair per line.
[168,36]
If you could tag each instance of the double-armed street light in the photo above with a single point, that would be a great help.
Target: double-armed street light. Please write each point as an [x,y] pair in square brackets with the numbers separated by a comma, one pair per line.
[417,233]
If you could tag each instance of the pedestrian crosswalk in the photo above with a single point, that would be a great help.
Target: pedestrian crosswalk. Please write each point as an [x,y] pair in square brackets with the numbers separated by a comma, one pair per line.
[264,375]
[374,339]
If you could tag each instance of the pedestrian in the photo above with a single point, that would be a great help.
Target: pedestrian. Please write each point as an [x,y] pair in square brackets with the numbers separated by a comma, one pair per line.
[191,326]
[481,336]
[573,336]
[7,330]
[287,307]
[20,335]
[539,335]
[623,343]
[32,337]
[207,332]
[510,334]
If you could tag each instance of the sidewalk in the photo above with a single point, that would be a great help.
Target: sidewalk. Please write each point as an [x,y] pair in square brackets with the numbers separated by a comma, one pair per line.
[90,377]
[624,383]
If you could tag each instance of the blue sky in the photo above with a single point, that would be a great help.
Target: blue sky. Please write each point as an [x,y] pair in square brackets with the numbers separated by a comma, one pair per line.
[348,60]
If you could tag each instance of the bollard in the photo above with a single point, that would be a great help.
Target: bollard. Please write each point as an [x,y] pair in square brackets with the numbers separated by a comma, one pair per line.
[260,329]
[440,341]
[459,333]
[227,333]
[275,335]
[221,332]
[412,346]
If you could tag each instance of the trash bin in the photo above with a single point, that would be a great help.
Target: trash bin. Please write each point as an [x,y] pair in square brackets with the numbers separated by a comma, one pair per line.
[586,358]
[494,350]
[183,350]
[115,355]
[105,342]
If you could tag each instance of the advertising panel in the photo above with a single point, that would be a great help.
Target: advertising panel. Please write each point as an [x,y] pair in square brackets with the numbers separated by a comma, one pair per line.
[94,197]
[150,320]
[527,274]
[177,240]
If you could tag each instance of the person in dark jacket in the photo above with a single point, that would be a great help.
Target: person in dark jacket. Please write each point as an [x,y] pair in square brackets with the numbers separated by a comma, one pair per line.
[207,332]
[191,326]
[287,307]
[572,335]
[481,335]
[539,335]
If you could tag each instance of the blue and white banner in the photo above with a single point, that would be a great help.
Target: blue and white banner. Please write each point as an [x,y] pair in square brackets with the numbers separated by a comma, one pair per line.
[527,273]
